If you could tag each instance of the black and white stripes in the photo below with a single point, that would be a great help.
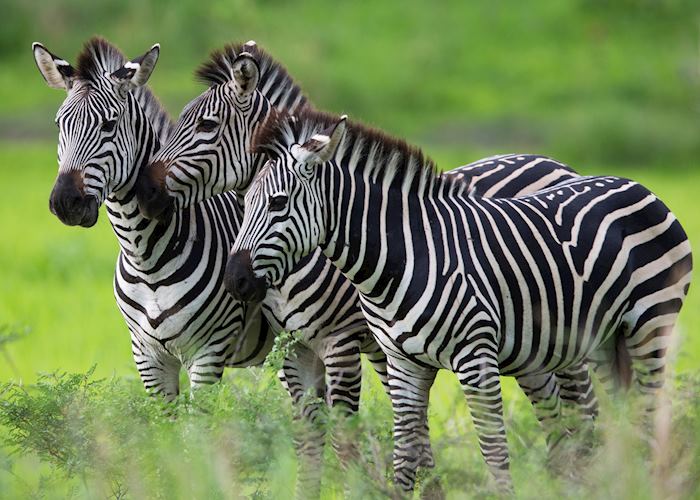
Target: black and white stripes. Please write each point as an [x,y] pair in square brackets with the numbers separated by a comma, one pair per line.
[479,286]
[209,153]
[169,277]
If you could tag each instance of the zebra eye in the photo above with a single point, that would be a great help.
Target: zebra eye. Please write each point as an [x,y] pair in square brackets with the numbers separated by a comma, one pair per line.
[278,202]
[206,125]
[108,125]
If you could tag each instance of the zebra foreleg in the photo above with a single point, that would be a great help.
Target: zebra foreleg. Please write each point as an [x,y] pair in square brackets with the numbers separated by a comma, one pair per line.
[303,376]
[205,371]
[159,372]
[410,390]
[479,376]
[344,382]
[378,359]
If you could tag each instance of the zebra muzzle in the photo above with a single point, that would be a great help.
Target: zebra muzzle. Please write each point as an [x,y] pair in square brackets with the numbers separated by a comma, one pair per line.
[70,204]
[153,199]
[241,281]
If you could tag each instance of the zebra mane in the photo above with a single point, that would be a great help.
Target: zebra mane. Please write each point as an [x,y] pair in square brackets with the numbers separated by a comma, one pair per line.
[275,82]
[281,130]
[160,119]
[99,57]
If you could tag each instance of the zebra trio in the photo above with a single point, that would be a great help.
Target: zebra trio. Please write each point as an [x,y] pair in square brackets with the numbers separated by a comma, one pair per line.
[176,219]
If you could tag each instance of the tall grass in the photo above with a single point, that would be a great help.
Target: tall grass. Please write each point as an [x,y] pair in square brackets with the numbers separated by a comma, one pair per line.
[71,435]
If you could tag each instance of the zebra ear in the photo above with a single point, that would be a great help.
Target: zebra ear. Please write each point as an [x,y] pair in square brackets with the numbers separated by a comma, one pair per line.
[321,147]
[57,72]
[136,72]
[245,74]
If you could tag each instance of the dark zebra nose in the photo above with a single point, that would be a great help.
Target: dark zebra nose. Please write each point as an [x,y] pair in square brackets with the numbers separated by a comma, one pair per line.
[240,280]
[70,204]
[151,194]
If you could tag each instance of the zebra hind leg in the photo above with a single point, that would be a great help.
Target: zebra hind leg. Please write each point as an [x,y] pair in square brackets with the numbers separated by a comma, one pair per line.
[647,345]
[544,394]
[579,404]
[303,375]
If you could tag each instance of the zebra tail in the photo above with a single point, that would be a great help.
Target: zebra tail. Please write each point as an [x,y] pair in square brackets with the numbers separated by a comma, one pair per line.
[622,364]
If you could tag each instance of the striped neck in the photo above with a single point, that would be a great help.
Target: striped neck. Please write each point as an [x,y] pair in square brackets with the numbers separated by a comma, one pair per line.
[137,235]
[391,198]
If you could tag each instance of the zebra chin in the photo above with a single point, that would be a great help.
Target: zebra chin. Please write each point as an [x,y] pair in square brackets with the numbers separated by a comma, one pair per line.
[241,281]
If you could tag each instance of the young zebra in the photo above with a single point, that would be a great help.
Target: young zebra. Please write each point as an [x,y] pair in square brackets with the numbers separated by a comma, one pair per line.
[447,279]
[210,153]
[169,276]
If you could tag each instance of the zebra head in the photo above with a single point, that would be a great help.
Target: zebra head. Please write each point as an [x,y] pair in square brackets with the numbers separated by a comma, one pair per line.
[209,152]
[284,217]
[96,151]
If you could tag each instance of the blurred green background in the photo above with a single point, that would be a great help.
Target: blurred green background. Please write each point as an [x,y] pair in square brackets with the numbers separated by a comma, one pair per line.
[607,87]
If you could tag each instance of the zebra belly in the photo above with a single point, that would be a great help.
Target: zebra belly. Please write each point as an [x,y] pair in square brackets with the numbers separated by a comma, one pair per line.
[438,344]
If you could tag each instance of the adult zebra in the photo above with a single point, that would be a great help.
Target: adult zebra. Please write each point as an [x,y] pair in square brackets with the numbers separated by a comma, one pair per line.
[168,281]
[210,153]
[479,286]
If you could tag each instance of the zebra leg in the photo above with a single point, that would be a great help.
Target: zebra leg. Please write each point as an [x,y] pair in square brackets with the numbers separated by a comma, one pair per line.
[376,356]
[303,375]
[647,345]
[544,394]
[579,403]
[577,393]
[159,371]
[205,371]
[344,382]
[410,390]
[479,376]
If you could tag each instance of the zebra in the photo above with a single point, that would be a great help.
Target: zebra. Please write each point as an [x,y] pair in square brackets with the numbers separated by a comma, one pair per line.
[168,282]
[210,153]
[448,279]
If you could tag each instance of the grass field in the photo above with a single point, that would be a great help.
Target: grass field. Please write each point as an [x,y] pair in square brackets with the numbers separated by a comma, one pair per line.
[608,87]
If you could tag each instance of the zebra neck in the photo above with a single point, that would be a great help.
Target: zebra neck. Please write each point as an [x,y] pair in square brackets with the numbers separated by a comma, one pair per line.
[143,242]
[373,207]
[147,245]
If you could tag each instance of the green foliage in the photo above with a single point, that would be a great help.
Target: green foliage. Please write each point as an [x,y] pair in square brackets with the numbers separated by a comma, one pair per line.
[109,435]
[104,438]
[283,347]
